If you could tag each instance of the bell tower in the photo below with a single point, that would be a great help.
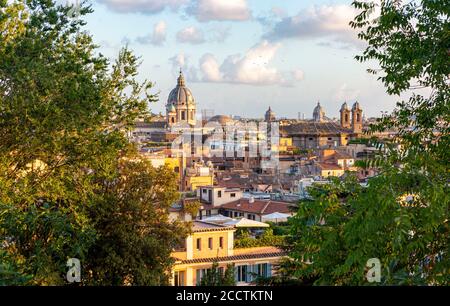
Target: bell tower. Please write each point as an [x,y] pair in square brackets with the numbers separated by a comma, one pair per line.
[357,118]
[345,116]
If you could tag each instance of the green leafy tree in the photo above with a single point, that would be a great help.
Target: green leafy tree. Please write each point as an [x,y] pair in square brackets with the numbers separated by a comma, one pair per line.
[64,113]
[134,234]
[192,208]
[401,217]
[219,277]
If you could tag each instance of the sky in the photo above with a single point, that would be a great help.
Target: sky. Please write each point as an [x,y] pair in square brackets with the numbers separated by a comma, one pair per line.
[241,56]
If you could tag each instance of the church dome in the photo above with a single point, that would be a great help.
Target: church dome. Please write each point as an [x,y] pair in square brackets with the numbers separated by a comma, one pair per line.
[171,108]
[181,95]
[318,113]
[270,115]
[222,119]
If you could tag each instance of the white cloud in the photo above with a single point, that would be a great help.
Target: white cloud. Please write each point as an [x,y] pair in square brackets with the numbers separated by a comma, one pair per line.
[344,93]
[142,6]
[179,61]
[326,21]
[190,35]
[158,37]
[219,33]
[253,68]
[207,10]
[182,61]
[298,75]
[210,68]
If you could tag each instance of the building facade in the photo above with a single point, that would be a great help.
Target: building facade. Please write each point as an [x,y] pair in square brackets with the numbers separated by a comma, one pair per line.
[209,243]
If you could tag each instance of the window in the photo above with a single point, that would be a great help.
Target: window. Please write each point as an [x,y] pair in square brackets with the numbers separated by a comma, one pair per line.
[200,273]
[204,190]
[236,214]
[241,274]
[183,115]
[173,120]
[221,242]
[219,193]
[310,138]
[208,213]
[263,270]
[233,195]
[246,274]
[329,138]
[199,244]
[179,278]
[210,243]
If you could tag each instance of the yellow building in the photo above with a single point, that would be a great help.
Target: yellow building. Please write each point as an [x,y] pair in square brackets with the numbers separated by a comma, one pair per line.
[335,163]
[212,242]
[198,175]
[327,170]
[191,183]
[285,144]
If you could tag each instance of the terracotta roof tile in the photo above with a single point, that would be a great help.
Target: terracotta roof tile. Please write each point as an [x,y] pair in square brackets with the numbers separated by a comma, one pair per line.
[234,257]
[259,206]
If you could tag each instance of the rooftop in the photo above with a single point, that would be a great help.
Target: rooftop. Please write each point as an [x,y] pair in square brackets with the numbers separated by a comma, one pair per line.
[326,166]
[313,128]
[241,254]
[201,226]
[263,207]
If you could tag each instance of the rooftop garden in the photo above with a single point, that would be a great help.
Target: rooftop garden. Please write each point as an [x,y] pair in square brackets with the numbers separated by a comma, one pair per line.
[245,240]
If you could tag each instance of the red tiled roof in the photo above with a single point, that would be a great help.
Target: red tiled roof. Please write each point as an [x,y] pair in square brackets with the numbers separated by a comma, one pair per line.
[326,166]
[258,206]
[234,257]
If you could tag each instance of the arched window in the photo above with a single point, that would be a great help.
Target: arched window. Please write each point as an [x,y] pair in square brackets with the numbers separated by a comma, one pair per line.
[358,117]
[346,118]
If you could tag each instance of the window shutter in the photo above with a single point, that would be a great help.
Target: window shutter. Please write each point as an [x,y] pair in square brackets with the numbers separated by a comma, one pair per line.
[269,270]
[249,273]
[198,276]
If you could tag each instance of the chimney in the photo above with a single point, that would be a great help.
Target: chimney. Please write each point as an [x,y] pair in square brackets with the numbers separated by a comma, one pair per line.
[251,200]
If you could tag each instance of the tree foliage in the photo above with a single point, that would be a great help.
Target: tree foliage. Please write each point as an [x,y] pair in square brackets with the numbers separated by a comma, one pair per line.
[401,217]
[65,162]
[219,277]
[266,239]
[192,208]
[135,237]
